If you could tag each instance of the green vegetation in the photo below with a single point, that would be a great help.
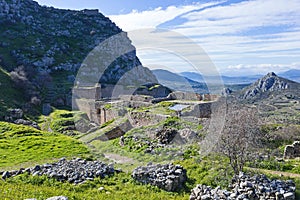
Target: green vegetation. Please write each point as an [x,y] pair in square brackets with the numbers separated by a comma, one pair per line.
[108,106]
[22,144]
[160,108]
[107,123]
[120,186]
[154,87]
[208,170]
[166,104]
[10,97]
[63,121]
[292,165]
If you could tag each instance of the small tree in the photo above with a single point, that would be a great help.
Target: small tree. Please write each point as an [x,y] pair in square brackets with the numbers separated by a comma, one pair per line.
[240,136]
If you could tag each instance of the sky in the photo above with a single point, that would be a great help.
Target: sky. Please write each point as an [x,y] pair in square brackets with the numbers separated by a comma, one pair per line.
[240,37]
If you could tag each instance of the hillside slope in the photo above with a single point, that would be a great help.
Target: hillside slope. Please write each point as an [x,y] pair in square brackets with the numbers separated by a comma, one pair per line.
[53,43]
[9,97]
[271,84]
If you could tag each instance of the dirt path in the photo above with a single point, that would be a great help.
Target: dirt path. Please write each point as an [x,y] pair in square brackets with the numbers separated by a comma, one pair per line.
[118,158]
[279,173]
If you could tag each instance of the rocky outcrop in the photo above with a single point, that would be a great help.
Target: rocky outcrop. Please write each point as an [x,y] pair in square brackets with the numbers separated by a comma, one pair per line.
[269,83]
[153,89]
[246,187]
[166,135]
[200,110]
[168,177]
[14,114]
[27,123]
[292,151]
[56,40]
[74,171]
[226,91]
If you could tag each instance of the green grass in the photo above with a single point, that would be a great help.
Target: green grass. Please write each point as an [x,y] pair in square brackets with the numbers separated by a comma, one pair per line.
[120,186]
[292,165]
[9,97]
[210,170]
[22,144]
[61,120]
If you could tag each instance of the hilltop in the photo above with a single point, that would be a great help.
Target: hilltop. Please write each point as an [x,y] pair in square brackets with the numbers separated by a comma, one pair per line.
[52,44]
[271,84]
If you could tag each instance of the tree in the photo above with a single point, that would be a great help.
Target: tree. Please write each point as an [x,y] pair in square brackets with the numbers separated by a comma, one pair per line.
[240,136]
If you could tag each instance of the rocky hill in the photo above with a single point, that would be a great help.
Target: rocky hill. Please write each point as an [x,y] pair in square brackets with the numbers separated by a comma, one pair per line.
[271,84]
[52,44]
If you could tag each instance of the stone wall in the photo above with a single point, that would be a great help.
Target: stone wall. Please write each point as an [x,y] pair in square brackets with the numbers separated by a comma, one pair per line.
[142,98]
[201,110]
[87,106]
[145,118]
[292,151]
[87,93]
[185,96]
[115,132]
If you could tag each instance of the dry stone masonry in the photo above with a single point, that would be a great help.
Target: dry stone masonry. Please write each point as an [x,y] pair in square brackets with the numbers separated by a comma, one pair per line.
[74,171]
[251,188]
[292,151]
[168,177]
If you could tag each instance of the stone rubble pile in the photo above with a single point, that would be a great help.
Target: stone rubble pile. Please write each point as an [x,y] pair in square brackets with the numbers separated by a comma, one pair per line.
[168,177]
[74,171]
[292,151]
[251,188]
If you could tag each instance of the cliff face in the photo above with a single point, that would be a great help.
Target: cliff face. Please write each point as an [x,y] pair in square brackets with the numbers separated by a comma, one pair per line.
[56,42]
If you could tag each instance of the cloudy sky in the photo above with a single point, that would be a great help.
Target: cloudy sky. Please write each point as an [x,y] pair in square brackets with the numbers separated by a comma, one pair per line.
[240,37]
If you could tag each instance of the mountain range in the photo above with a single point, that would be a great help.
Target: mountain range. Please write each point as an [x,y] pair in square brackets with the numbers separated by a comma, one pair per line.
[293,74]
[192,81]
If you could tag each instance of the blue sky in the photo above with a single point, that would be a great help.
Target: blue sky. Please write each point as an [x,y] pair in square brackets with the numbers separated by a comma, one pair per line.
[240,37]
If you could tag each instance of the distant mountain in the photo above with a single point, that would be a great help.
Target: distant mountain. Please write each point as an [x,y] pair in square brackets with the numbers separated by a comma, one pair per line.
[193,76]
[177,82]
[271,84]
[293,74]
[226,79]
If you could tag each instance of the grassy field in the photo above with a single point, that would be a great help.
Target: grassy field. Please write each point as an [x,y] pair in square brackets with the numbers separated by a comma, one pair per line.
[119,186]
[23,145]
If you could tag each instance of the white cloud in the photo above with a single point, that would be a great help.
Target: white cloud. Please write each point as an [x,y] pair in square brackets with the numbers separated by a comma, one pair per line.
[245,35]
[152,18]
[258,69]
